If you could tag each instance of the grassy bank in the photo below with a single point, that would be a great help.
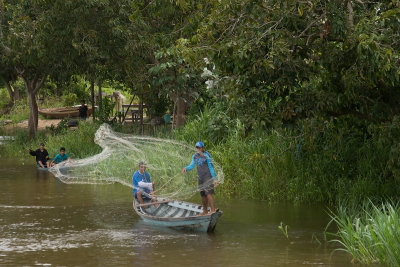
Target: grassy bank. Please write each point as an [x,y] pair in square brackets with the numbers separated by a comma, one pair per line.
[370,233]
[317,161]
[314,162]
[79,143]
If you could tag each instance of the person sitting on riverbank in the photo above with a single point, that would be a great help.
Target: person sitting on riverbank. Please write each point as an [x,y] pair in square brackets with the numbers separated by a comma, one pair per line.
[42,156]
[62,156]
[142,185]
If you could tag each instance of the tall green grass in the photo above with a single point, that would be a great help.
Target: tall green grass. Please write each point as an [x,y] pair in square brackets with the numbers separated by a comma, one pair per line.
[79,143]
[19,112]
[316,161]
[370,233]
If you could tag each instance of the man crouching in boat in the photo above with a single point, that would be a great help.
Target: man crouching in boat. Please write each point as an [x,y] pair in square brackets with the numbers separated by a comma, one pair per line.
[207,179]
[42,156]
[142,185]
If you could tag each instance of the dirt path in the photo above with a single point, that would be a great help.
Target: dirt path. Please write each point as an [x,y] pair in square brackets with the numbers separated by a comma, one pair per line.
[42,124]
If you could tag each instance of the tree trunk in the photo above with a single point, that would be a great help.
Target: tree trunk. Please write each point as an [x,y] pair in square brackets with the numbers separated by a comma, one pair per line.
[11,93]
[32,87]
[181,107]
[93,101]
[33,114]
[100,97]
[17,95]
[351,15]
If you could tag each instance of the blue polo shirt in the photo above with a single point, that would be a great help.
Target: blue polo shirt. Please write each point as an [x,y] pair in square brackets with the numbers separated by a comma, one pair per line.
[60,158]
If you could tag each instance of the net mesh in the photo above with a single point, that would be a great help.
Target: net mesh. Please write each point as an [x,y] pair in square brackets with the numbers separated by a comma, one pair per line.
[120,158]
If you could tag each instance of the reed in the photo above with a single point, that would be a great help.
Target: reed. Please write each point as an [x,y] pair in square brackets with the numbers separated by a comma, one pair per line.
[79,143]
[315,162]
[370,233]
[312,162]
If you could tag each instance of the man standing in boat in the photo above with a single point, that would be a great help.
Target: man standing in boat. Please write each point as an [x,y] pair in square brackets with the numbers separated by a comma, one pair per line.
[142,185]
[207,178]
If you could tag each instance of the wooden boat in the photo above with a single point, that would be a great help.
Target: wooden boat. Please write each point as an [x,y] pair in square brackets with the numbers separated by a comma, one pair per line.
[59,113]
[42,169]
[64,167]
[177,214]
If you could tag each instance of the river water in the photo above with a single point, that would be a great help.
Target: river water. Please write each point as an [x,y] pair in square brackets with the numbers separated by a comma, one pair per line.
[44,222]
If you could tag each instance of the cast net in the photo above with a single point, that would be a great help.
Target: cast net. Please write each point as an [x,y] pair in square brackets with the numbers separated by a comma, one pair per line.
[120,158]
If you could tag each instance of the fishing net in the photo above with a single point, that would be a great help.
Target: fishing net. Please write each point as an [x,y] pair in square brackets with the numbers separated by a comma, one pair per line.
[120,158]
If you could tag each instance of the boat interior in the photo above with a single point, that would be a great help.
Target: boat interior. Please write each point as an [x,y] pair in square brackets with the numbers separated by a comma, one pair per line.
[169,209]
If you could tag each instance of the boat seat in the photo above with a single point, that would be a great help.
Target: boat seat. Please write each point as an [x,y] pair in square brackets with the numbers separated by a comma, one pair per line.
[153,210]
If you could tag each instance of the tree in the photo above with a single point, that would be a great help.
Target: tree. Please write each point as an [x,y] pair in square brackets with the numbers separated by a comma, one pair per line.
[58,39]
[35,42]
[178,79]
[287,60]
[153,65]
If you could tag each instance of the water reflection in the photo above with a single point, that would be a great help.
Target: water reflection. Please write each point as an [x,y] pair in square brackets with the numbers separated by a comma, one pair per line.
[44,222]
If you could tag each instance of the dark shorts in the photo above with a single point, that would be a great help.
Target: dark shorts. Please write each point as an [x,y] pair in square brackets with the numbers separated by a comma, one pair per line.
[206,192]
[207,188]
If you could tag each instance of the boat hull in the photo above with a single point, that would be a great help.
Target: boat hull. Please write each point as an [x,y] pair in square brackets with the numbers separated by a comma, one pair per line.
[178,215]
[60,113]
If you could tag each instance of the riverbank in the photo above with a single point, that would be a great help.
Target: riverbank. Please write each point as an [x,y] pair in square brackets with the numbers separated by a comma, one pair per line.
[42,125]
[323,165]
[79,141]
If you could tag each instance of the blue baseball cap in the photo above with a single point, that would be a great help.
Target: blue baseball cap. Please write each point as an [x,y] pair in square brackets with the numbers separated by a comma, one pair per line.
[199,144]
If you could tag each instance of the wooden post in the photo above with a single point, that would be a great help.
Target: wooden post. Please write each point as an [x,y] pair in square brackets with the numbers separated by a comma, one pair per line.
[93,100]
[141,113]
[100,96]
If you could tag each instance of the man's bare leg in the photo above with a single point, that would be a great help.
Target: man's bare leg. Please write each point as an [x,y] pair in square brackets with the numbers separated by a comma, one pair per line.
[153,199]
[48,164]
[204,201]
[41,164]
[210,199]
[139,197]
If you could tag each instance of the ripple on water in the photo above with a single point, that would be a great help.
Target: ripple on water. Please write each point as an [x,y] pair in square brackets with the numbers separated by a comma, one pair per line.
[80,239]
[25,207]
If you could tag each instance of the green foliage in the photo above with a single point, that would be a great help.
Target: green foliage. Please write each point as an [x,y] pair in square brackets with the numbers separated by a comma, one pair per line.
[212,125]
[370,233]
[284,229]
[19,112]
[302,93]
[291,60]
[4,98]
[104,112]
[324,162]
[61,127]
[69,99]
[78,86]
[79,143]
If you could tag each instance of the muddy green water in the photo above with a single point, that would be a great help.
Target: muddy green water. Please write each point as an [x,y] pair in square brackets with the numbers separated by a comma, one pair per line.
[44,222]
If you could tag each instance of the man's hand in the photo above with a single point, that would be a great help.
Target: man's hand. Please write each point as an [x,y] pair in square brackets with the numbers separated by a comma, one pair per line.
[215,183]
[184,170]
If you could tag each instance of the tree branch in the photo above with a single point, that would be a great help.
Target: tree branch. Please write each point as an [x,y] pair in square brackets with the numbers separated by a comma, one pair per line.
[351,15]
[41,82]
